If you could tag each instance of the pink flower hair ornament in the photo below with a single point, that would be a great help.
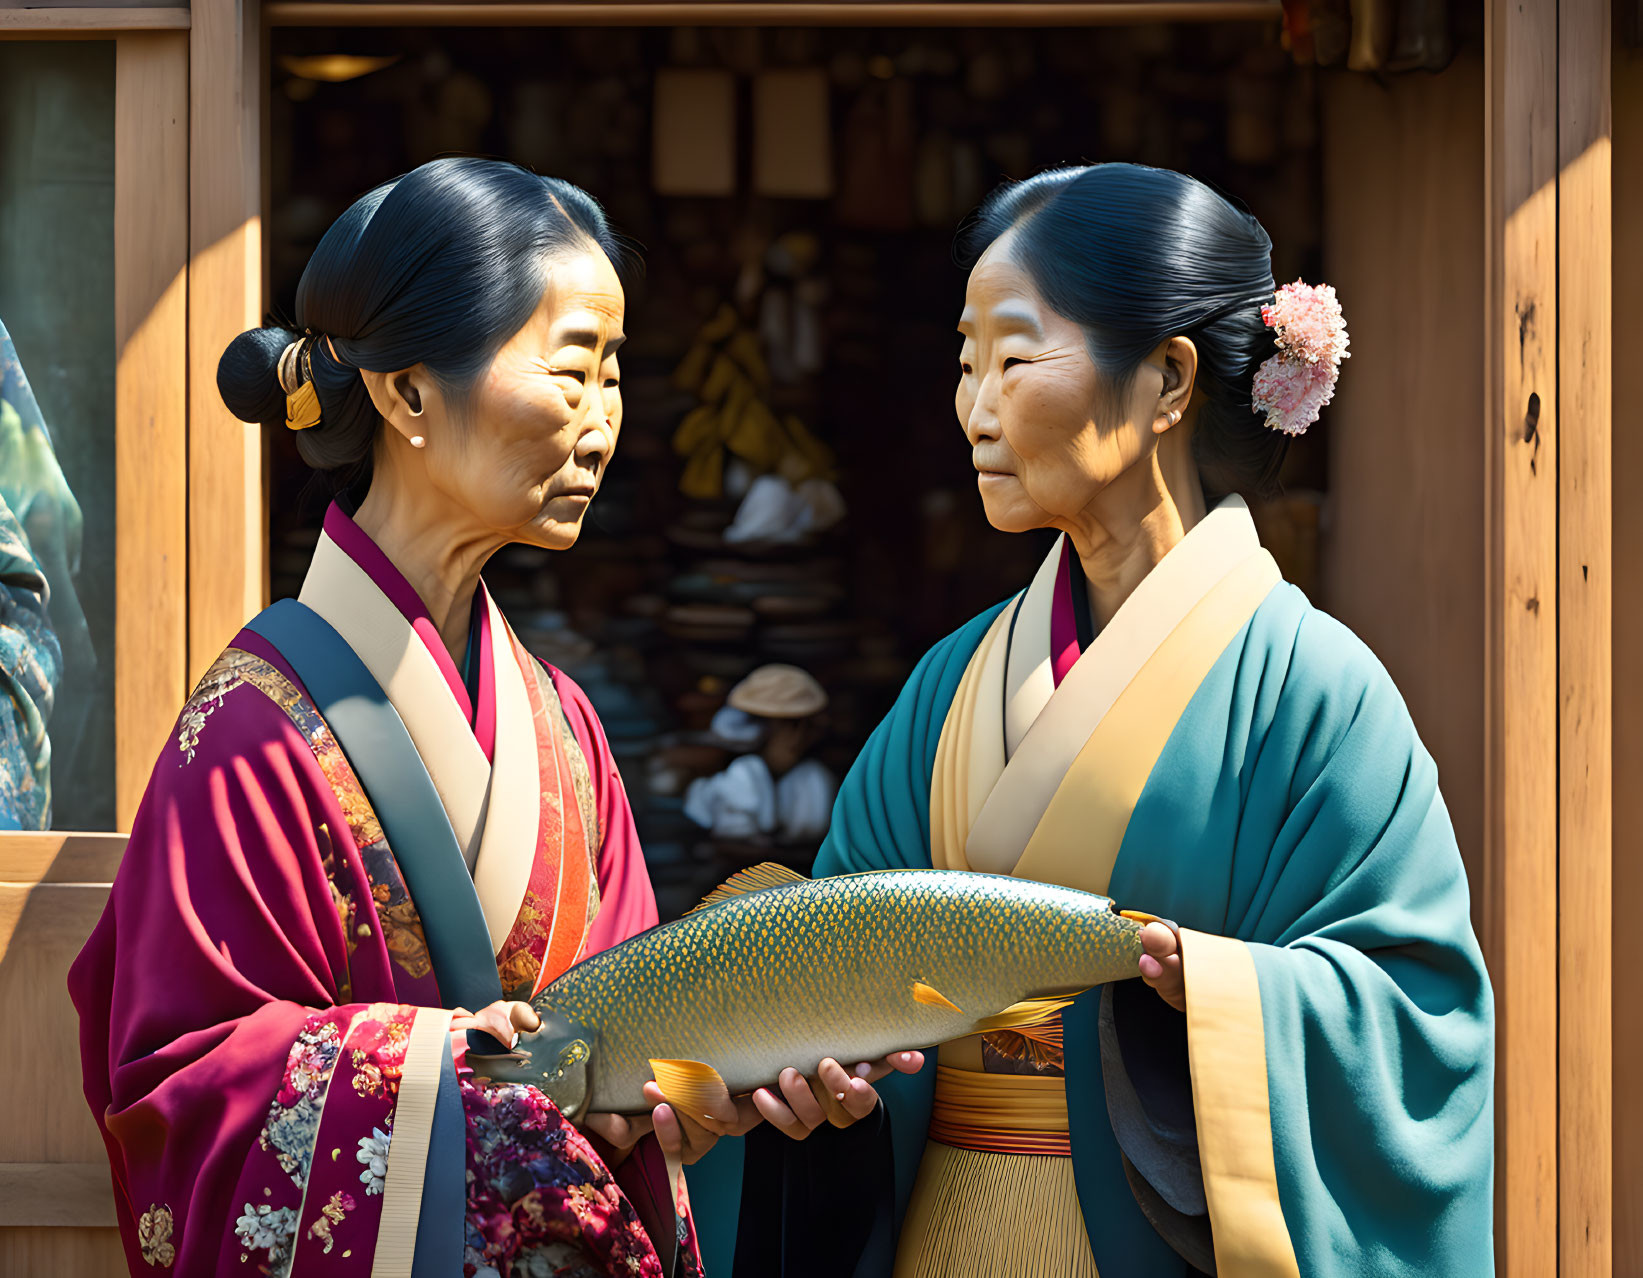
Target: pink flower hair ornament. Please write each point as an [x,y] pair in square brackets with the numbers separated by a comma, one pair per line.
[1294,384]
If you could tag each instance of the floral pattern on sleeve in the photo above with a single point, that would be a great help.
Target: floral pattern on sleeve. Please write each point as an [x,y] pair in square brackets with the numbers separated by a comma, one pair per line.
[541,1203]
[314,1178]
[267,1226]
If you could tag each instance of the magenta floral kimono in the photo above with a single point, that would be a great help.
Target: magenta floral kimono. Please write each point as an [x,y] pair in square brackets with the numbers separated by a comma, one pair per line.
[266,1003]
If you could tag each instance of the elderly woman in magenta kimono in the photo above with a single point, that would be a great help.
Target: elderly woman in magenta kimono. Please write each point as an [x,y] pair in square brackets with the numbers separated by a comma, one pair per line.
[381,825]
[1300,1082]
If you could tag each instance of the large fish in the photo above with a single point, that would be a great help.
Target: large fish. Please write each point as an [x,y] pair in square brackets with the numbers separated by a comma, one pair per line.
[774,969]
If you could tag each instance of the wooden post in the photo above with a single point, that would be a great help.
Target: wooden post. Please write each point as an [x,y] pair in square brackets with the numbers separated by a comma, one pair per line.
[227,530]
[1585,648]
[1521,669]
[151,443]
[1627,453]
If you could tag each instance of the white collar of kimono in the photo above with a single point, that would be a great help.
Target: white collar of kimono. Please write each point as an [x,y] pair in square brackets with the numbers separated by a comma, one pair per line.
[494,808]
[1044,727]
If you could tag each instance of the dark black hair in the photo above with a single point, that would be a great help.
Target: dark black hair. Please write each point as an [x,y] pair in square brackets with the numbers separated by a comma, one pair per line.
[439,267]
[1136,255]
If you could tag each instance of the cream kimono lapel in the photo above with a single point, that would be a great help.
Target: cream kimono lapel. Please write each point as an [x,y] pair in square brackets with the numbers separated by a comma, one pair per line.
[527,839]
[1040,781]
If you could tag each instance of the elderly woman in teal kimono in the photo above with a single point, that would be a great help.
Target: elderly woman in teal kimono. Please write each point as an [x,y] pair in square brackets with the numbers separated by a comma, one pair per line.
[1300,1080]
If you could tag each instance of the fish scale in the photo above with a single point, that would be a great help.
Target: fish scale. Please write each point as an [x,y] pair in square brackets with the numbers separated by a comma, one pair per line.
[852,967]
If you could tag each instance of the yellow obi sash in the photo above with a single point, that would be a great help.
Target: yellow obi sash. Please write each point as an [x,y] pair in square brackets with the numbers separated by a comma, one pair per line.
[1001,1113]
[995,1139]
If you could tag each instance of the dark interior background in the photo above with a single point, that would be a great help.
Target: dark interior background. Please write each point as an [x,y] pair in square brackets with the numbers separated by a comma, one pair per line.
[922,124]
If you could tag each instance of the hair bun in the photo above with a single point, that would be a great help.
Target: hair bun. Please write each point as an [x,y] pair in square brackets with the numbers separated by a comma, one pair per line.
[248,375]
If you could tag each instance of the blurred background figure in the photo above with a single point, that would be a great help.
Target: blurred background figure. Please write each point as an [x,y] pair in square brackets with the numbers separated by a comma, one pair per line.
[47,666]
[775,791]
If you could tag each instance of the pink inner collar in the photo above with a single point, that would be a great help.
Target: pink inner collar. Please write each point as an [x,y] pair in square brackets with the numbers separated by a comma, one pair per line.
[358,546]
[1064,649]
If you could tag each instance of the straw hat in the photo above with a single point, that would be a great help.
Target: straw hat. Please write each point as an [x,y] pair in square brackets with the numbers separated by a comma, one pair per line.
[778,692]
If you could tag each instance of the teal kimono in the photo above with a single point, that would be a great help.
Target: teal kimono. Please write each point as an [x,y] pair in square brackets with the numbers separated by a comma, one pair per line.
[1226,756]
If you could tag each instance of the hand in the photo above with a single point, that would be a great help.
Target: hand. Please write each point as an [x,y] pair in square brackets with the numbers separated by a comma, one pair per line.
[679,1136]
[833,1096]
[682,1137]
[1161,965]
[502,1020]
[797,1106]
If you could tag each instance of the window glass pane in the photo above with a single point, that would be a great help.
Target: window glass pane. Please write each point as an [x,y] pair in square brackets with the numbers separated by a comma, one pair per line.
[57,433]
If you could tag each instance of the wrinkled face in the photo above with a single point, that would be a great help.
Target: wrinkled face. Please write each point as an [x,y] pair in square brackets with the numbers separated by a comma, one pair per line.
[1044,434]
[540,426]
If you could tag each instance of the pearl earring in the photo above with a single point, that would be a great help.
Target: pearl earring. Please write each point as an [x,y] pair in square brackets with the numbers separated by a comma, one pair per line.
[417,441]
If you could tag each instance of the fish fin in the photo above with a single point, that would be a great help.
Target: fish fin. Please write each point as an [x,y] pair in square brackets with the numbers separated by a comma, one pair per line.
[693,1088]
[1027,1012]
[930,996]
[756,878]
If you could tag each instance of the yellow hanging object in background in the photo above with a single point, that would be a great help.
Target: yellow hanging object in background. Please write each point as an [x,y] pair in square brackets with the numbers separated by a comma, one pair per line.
[756,437]
[699,429]
[721,326]
[693,368]
[704,477]
[744,348]
[720,378]
[725,368]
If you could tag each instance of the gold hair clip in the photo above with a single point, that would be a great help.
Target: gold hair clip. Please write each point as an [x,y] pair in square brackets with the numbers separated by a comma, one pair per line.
[302,407]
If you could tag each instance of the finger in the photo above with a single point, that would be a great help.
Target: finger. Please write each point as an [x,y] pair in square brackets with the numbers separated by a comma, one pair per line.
[831,1088]
[724,1117]
[494,1021]
[895,1063]
[523,1017]
[860,1100]
[832,1075]
[1157,940]
[800,1099]
[1151,969]
[695,1133]
[669,1134]
[747,1117]
[778,1115]
[698,1139]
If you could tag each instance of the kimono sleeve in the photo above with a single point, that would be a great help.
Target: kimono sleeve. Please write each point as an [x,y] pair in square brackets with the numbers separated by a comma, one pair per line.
[1339,1026]
[243,1050]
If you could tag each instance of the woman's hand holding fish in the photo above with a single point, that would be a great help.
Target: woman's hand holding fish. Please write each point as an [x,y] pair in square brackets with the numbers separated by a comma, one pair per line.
[797,1105]
[675,1133]
[502,1020]
[1161,965]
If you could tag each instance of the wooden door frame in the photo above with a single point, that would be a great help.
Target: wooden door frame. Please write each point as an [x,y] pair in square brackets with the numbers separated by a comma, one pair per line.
[1548,646]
